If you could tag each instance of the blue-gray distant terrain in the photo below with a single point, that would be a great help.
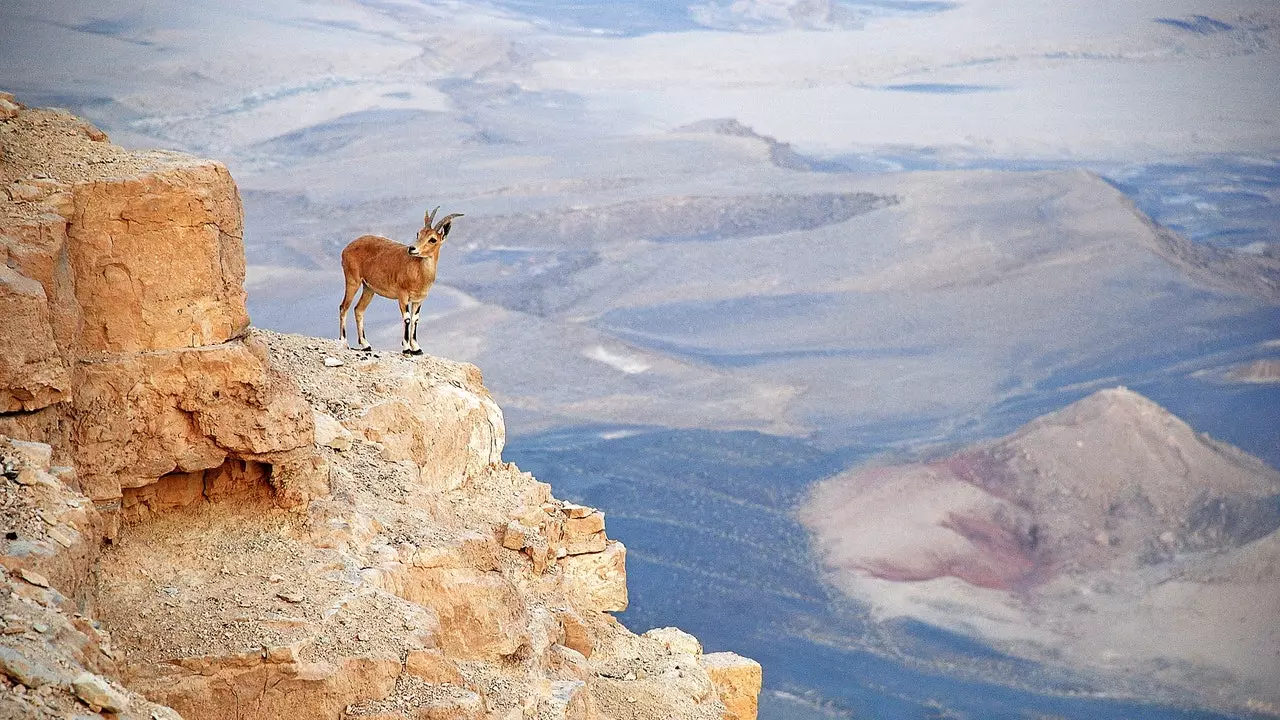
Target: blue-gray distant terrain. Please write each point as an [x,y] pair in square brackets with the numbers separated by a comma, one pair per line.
[718,254]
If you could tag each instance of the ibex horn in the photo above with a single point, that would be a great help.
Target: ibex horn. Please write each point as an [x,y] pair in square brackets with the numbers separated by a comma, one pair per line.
[427,220]
[446,219]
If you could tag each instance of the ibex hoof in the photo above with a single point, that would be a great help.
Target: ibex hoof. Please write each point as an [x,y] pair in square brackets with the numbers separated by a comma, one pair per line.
[411,352]
[366,348]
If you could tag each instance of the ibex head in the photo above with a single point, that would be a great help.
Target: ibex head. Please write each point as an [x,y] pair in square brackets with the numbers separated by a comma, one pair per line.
[432,237]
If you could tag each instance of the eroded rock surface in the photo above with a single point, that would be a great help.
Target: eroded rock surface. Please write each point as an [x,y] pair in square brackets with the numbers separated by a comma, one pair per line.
[237,524]
[121,277]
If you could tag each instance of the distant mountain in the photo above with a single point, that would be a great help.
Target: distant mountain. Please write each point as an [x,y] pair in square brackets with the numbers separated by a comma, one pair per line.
[1108,533]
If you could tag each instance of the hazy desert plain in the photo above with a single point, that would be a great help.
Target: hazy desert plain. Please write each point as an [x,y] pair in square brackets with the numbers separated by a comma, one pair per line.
[918,349]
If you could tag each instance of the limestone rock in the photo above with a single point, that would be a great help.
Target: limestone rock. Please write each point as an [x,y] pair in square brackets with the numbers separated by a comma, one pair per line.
[33,577]
[567,700]
[737,681]
[331,433]
[28,671]
[234,688]
[481,615]
[9,108]
[451,432]
[158,258]
[675,640]
[575,633]
[458,704]
[598,581]
[32,373]
[585,534]
[237,585]
[36,453]
[130,269]
[432,666]
[198,407]
[97,692]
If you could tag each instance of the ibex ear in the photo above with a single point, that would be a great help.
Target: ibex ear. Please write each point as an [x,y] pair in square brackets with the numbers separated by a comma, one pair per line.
[446,224]
[426,220]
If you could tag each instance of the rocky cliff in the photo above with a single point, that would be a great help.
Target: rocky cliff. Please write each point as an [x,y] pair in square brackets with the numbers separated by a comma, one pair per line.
[205,519]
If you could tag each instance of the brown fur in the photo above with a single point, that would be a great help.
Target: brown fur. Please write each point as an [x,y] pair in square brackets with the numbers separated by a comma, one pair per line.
[404,273]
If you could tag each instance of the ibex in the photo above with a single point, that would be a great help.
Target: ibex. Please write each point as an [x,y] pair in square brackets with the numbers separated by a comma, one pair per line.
[403,273]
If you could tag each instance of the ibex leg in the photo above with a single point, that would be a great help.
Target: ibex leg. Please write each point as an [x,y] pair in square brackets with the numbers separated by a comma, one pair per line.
[366,297]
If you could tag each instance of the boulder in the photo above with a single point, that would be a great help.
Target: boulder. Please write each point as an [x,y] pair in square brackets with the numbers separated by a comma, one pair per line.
[675,640]
[737,681]
[157,258]
[598,581]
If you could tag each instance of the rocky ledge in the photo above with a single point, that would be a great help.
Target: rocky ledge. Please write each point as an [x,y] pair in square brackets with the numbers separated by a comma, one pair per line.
[209,521]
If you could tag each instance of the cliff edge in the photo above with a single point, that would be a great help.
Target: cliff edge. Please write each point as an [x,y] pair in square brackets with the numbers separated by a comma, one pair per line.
[219,522]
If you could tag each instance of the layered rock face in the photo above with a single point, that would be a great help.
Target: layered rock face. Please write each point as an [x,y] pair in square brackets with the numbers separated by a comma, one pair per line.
[125,323]
[238,524]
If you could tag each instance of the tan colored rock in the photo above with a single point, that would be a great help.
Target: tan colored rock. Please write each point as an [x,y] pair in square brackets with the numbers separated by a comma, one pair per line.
[130,270]
[197,407]
[457,704]
[517,535]
[481,614]
[585,533]
[598,581]
[451,433]
[30,672]
[33,577]
[568,700]
[675,640]
[98,693]
[432,666]
[737,681]
[158,259]
[37,453]
[331,433]
[389,596]
[32,373]
[236,690]
[9,108]
[575,633]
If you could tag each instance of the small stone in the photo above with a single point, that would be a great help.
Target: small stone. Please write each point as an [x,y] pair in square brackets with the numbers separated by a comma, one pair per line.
[333,362]
[33,577]
[290,596]
[59,536]
[362,636]
[40,628]
[95,691]
[1168,538]
[276,578]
